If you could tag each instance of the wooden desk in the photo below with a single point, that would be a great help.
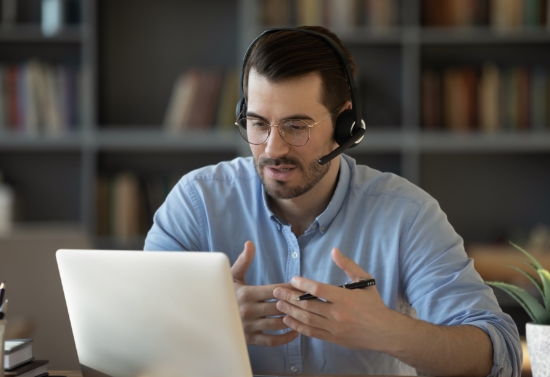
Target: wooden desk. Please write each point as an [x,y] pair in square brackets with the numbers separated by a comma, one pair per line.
[74,373]
[525,370]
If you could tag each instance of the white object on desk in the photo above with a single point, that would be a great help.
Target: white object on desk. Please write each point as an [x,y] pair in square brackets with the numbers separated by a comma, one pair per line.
[2,335]
[6,209]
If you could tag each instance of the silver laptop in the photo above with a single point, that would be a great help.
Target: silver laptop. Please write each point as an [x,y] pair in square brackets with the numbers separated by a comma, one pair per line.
[153,314]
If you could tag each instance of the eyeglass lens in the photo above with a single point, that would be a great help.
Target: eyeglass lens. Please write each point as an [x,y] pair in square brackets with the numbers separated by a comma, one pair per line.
[294,131]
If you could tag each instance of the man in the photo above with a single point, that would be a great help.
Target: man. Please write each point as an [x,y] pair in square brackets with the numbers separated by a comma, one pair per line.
[308,227]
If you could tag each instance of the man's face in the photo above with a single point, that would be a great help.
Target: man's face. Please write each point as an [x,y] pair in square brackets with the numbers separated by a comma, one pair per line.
[287,171]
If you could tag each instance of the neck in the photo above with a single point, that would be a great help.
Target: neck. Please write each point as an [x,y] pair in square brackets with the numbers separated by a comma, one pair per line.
[301,211]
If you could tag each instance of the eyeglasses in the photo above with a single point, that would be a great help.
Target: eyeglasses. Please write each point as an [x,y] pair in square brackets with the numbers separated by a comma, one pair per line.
[295,132]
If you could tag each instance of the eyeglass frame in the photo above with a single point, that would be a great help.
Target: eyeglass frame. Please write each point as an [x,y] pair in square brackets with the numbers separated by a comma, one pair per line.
[310,126]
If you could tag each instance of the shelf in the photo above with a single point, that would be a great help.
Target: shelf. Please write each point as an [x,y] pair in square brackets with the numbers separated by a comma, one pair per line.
[64,142]
[375,141]
[366,36]
[455,142]
[492,261]
[151,139]
[33,34]
[475,142]
[443,36]
[482,35]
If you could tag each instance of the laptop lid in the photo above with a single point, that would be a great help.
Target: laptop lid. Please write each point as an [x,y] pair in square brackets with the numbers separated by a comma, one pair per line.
[164,314]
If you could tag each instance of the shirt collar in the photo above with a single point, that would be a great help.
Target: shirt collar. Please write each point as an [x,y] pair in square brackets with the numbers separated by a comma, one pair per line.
[270,213]
[324,220]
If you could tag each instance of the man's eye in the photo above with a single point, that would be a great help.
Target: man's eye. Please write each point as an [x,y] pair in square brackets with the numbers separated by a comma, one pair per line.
[259,124]
[296,127]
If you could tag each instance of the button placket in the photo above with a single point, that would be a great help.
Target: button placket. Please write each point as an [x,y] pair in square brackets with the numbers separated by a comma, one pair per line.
[293,349]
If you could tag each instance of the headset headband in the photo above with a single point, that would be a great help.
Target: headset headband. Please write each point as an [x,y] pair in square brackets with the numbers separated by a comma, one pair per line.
[356,106]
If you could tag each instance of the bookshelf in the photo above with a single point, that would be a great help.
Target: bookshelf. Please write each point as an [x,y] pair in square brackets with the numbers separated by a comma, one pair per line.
[133,51]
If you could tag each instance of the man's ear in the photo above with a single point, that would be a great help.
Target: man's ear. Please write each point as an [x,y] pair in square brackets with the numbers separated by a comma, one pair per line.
[345,106]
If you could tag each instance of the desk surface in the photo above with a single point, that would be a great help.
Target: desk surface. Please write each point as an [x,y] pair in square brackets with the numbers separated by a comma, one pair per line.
[74,373]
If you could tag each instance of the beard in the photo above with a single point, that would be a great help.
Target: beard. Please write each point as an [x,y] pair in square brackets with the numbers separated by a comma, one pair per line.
[312,174]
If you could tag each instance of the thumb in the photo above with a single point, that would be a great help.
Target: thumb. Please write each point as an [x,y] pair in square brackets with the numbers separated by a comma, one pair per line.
[239,268]
[354,272]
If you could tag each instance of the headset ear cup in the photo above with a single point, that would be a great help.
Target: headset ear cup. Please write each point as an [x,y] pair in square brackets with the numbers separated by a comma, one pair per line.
[241,110]
[240,105]
[344,126]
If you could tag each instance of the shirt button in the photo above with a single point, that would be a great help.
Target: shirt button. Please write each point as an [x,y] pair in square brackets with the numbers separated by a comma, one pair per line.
[294,368]
[295,255]
[323,228]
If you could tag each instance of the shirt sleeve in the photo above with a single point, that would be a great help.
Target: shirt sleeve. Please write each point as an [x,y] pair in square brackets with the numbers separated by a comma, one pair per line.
[177,222]
[440,283]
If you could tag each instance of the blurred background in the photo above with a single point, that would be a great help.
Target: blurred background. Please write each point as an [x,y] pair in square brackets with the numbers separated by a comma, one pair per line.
[105,104]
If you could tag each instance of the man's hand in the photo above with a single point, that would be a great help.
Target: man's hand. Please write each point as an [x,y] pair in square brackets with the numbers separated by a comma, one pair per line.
[359,319]
[253,306]
[352,318]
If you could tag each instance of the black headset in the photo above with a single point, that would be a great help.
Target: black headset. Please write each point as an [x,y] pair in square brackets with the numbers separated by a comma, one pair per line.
[346,134]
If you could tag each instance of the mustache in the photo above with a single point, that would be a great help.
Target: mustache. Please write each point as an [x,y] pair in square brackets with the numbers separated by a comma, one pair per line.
[285,160]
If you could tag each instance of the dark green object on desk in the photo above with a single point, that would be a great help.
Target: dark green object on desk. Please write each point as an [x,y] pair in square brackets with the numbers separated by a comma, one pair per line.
[539,314]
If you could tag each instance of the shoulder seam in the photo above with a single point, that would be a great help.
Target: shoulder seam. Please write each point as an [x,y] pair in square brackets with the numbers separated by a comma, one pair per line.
[194,199]
[418,201]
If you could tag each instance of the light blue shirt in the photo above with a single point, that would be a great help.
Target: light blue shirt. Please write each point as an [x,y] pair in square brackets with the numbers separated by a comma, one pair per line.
[388,226]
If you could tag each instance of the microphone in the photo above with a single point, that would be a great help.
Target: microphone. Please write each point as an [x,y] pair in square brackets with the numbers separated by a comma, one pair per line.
[357,135]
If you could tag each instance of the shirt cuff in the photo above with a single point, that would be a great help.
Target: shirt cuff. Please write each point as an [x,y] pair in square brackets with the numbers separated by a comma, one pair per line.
[507,351]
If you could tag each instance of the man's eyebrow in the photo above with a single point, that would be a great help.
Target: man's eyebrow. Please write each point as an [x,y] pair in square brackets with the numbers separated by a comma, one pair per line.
[294,116]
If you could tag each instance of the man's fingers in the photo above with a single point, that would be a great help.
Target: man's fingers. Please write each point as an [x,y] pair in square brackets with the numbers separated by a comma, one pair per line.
[352,269]
[264,324]
[326,291]
[259,293]
[271,340]
[255,310]
[239,268]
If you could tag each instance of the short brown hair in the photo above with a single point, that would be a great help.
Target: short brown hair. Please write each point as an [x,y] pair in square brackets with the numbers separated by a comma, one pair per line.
[287,54]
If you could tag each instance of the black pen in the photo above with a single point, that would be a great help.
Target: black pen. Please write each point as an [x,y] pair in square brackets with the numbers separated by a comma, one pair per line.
[354,285]
[3,309]
[2,289]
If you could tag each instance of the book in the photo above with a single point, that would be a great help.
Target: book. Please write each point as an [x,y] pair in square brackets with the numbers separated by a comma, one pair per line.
[459,99]
[125,216]
[276,13]
[225,117]
[523,91]
[38,97]
[309,12]
[36,368]
[340,15]
[510,101]
[431,99]
[181,102]
[488,98]
[381,14]
[3,100]
[205,99]
[538,98]
[454,13]
[509,98]
[17,352]
[180,98]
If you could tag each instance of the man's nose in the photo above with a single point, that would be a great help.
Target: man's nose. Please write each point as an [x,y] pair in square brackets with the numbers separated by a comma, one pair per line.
[275,145]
